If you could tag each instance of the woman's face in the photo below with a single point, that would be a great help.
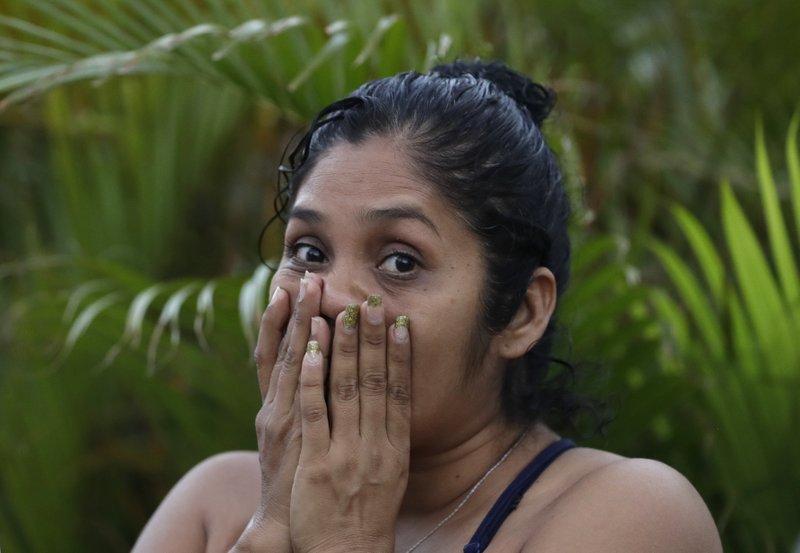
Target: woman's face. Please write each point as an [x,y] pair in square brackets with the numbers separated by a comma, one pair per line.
[366,224]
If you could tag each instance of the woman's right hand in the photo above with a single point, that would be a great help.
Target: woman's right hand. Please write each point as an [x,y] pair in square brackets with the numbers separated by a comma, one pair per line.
[283,335]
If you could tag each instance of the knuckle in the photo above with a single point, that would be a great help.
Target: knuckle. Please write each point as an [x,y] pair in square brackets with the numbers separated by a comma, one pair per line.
[258,357]
[347,349]
[319,476]
[374,382]
[309,382]
[374,339]
[282,348]
[399,394]
[298,316]
[345,466]
[261,421]
[347,389]
[265,423]
[273,428]
[349,465]
[376,462]
[289,358]
[313,413]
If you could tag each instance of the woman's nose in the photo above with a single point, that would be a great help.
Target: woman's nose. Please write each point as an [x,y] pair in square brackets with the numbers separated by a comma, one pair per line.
[339,289]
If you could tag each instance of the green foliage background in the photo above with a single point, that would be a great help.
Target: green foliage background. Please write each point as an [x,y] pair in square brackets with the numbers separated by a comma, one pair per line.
[139,141]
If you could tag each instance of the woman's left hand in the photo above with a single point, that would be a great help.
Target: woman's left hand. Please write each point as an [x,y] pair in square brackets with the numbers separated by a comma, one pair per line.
[354,456]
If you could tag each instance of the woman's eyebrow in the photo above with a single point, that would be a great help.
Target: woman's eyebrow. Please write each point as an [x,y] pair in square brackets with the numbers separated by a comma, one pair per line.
[398,212]
[305,214]
[374,215]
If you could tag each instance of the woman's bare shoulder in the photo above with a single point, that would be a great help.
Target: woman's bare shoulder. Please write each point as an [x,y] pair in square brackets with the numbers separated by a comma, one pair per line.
[208,508]
[614,504]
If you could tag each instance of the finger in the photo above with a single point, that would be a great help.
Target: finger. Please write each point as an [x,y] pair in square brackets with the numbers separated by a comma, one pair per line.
[270,332]
[343,381]
[321,333]
[313,409]
[289,362]
[372,369]
[288,339]
[398,393]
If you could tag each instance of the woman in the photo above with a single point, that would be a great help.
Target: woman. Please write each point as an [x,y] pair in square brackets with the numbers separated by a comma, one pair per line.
[403,358]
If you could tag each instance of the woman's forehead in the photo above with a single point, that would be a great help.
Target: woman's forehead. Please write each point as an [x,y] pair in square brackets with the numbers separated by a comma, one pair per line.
[375,171]
[373,184]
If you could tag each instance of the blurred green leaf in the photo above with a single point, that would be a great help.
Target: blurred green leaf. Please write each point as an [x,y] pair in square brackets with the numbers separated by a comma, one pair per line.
[694,297]
[762,299]
[754,370]
[782,255]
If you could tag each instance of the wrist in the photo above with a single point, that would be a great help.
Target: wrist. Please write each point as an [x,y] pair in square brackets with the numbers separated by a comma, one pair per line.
[248,543]
[374,546]
[263,536]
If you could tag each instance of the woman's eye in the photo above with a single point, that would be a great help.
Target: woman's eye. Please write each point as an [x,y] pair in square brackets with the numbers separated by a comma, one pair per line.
[398,263]
[308,253]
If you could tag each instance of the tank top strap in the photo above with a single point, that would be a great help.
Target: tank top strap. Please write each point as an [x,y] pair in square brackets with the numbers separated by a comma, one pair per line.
[512,495]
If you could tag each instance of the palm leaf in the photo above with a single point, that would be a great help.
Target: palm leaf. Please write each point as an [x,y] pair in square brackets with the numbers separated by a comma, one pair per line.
[704,251]
[694,297]
[141,303]
[793,162]
[251,52]
[749,387]
[762,298]
[785,262]
[170,316]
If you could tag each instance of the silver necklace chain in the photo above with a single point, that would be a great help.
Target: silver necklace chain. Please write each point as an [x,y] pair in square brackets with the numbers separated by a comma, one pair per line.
[469,494]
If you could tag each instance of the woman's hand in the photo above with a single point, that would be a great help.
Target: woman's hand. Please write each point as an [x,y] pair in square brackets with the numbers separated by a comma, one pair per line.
[282,340]
[353,463]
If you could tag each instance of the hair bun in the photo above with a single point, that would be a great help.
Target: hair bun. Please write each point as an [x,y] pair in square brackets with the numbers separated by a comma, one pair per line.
[537,99]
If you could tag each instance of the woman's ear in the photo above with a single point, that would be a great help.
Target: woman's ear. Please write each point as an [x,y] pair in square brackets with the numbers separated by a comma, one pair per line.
[531,319]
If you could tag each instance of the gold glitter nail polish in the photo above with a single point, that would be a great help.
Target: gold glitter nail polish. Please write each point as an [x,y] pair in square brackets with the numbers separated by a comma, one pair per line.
[401,329]
[313,347]
[374,300]
[350,318]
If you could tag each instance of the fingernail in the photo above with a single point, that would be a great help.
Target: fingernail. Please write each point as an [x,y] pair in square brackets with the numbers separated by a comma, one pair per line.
[401,328]
[275,295]
[302,293]
[374,311]
[350,318]
[313,350]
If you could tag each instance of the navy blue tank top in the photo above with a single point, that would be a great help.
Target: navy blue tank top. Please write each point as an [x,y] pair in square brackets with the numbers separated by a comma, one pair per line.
[512,495]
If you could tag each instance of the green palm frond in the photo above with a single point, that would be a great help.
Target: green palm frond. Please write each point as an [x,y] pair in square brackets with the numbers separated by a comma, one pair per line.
[793,162]
[179,308]
[296,57]
[757,284]
[702,312]
[157,56]
[780,246]
[83,408]
[126,166]
[747,315]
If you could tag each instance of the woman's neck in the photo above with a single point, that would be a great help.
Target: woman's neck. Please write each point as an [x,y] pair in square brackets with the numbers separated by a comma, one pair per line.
[438,481]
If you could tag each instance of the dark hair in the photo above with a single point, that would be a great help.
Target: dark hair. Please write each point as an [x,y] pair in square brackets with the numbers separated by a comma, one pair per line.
[473,130]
